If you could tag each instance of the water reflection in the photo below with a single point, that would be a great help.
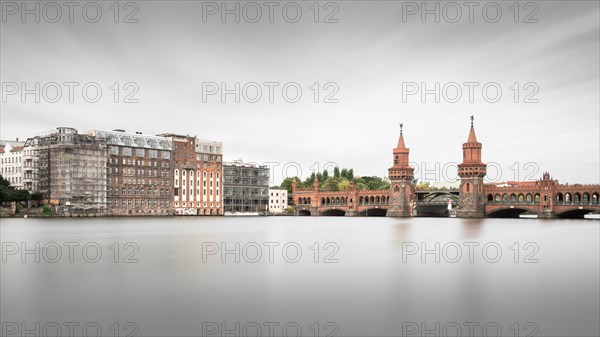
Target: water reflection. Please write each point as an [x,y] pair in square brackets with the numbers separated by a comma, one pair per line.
[374,288]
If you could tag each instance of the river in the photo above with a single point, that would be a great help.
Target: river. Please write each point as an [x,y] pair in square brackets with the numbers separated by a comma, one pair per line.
[314,276]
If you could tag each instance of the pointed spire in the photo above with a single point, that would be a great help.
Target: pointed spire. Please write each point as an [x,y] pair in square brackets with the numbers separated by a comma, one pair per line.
[472,137]
[401,144]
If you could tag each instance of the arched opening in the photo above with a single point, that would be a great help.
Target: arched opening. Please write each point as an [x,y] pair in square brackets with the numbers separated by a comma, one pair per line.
[328,202]
[521,199]
[322,201]
[304,212]
[333,212]
[513,199]
[490,198]
[308,201]
[505,198]
[371,201]
[574,214]
[528,199]
[576,198]
[360,200]
[559,198]
[337,201]
[568,198]
[467,187]
[595,199]
[373,212]
[536,199]
[586,198]
[507,213]
[497,199]
[377,200]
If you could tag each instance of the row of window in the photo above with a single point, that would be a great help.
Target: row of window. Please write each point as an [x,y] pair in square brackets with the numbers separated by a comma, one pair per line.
[129,191]
[11,170]
[139,152]
[11,160]
[183,192]
[142,181]
[198,204]
[197,183]
[138,203]
[191,174]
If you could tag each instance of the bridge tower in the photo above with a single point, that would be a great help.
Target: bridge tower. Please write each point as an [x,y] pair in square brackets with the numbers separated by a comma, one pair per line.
[471,172]
[401,176]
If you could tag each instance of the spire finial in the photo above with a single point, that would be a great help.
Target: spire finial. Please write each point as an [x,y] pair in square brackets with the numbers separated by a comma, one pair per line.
[472,118]
[401,127]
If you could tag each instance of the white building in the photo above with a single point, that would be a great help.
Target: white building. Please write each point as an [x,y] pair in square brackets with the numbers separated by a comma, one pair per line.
[11,164]
[278,200]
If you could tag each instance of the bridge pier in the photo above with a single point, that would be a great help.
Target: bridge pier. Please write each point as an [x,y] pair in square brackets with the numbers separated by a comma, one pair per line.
[351,213]
[546,215]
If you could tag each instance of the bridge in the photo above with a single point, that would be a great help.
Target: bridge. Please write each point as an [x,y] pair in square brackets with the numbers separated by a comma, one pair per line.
[544,198]
[353,202]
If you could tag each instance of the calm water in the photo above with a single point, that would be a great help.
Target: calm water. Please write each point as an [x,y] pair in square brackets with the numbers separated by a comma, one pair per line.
[378,281]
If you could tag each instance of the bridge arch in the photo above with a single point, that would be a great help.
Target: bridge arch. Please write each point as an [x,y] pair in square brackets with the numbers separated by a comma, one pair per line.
[373,212]
[574,213]
[304,212]
[333,212]
[507,212]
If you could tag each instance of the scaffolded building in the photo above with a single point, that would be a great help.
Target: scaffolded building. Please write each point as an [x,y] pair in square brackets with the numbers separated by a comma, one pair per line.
[246,188]
[69,169]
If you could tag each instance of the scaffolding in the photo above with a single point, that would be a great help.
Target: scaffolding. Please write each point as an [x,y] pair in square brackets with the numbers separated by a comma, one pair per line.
[71,170]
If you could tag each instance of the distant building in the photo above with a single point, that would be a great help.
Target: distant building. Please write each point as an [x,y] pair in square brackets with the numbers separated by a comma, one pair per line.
[197,175]
[246,188]
[11,164]
[138,172]
[278,200]
[69,169]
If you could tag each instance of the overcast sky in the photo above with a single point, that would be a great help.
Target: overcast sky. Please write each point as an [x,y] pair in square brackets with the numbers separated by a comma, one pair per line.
[371,56]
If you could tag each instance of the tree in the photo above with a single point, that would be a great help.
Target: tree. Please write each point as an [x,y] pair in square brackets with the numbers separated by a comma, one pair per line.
[331,184]
[336,172]
[37,196]
[287,183]
[325,175]
[344,184]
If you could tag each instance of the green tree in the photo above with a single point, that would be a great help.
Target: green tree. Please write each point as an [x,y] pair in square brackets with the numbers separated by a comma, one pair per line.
[287,183]
[336,172]
[37,196]
[331,184]
[344,184]
[325,175]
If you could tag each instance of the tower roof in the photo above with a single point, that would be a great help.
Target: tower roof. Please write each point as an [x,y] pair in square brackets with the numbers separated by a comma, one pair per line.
[401,144]
[472,137]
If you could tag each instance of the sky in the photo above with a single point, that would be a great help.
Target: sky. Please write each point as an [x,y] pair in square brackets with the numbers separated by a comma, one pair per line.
[372,61]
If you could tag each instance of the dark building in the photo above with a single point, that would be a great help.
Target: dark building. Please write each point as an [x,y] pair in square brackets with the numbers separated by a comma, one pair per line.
[246,188]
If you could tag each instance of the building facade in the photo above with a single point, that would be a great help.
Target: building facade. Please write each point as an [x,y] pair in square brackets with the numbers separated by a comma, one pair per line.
[246,188]
[11,164]
[197,175]
[138,170]
[69,169]
[278,200]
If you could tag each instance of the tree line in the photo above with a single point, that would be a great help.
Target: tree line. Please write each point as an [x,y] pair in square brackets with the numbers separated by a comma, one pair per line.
[340,180]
